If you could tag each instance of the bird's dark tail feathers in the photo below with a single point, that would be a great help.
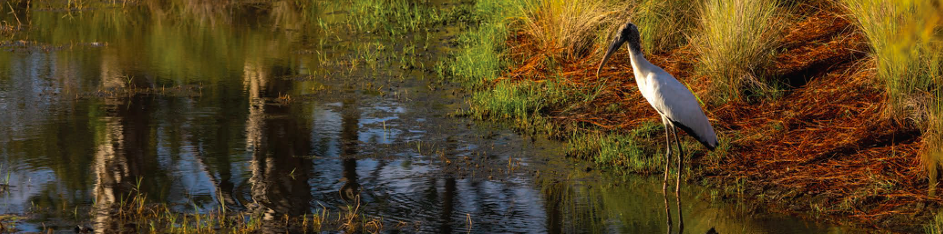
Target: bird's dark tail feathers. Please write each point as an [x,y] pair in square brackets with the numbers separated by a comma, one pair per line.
[710,145]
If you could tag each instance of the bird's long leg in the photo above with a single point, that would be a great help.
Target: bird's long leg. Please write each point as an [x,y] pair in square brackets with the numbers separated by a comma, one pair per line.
[680,215]
[674,132]
[680,158]
[668,127]
[664,185]
[668,212]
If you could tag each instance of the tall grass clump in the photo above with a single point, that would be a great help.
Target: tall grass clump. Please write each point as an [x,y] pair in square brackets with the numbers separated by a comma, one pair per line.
[736,45]
[931,155]
[664,24]
[906,42]
[567,29]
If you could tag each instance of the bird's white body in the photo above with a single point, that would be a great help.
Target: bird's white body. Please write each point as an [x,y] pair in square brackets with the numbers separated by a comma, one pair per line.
[672,99]
[674,102]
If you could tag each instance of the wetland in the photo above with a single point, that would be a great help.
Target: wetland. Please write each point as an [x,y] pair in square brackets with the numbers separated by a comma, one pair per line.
[283,116]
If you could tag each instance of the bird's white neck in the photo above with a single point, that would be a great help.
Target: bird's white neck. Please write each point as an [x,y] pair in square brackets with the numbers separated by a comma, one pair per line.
[636,56]
[640,65]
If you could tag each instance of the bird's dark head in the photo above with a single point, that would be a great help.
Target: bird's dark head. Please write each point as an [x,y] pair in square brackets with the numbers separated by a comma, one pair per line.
[627,33]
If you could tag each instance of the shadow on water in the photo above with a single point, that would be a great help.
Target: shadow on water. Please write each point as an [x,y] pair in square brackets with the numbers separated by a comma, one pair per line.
[288,109]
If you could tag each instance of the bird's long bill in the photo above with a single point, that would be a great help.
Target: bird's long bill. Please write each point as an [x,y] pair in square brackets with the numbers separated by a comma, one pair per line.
[612,49]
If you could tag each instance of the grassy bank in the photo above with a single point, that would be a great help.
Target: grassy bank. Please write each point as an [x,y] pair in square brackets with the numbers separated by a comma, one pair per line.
[820,137]
[515,58]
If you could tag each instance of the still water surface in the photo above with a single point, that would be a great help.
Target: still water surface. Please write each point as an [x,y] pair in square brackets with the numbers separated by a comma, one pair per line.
[280,109]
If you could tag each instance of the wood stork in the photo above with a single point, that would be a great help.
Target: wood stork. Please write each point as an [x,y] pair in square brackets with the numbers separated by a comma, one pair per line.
[673,101]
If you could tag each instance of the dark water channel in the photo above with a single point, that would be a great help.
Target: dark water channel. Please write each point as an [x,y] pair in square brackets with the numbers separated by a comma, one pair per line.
[266,109]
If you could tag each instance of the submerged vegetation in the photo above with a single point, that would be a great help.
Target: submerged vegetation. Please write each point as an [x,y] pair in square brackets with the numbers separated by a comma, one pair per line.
[147,217]
[632,151]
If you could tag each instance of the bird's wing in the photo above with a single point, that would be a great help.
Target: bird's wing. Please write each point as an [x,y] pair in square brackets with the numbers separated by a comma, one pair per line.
[675,101]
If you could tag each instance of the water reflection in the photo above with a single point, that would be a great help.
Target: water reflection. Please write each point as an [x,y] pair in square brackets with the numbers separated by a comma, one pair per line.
[680,213]
[271,117]
[122,156]
[280,144]
[350,192]
[448,205]
[122,148]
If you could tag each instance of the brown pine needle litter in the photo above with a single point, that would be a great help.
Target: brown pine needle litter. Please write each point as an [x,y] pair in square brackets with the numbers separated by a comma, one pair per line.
[823,147]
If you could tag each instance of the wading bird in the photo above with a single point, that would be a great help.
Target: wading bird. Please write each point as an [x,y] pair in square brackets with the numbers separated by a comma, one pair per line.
[673,101]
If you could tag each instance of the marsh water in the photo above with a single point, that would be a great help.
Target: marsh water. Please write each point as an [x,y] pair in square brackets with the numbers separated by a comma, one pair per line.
[290,109]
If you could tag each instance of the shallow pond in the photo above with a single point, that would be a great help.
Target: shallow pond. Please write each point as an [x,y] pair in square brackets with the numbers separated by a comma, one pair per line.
[288,109]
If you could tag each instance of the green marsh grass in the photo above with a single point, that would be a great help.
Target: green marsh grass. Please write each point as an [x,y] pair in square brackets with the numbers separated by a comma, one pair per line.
[936,224]
[394,17]
[636,151]
[523,102]
[479,57]
[735,44]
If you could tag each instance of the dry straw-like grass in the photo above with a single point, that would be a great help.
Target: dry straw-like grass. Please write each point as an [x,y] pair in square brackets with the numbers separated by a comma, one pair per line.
[904,38]
[736,45]
[931,154]
[567,29]
[664,25]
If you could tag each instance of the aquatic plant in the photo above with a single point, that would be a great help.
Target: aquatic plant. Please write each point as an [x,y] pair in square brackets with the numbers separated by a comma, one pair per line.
[161,218]
[479,56]
[632,151]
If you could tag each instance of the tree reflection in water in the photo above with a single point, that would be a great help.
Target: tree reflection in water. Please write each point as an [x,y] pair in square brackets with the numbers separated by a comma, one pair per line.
[279,145]
[349,137]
